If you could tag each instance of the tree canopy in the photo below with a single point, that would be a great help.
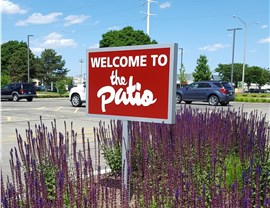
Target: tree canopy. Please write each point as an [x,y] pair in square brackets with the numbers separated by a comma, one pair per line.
[182,76]
[202,70]
[14,61]
[253,74]
[257,75]
[50,67]
[14,64]
[125,37]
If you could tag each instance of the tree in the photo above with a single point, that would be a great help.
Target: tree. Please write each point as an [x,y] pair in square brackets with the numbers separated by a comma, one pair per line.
[5,79]
[224,72]
[182,77]
[50,67]
[202,70]
[125,37]
[61,87]
[69,82]
[253,74]
[257,75]
[14,61]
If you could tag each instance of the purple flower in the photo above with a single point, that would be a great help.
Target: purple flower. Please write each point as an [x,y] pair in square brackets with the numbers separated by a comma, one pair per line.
[176,193]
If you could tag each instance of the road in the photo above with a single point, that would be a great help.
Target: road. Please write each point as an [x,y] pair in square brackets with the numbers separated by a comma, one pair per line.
[15,115]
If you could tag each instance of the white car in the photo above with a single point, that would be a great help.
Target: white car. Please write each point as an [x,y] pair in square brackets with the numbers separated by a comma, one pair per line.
[77,95]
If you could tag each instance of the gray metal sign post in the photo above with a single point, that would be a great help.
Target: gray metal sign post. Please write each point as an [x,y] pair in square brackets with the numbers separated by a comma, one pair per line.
[125,156]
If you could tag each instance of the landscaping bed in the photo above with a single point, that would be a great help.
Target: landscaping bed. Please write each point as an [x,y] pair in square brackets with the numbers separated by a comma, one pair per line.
[206,159]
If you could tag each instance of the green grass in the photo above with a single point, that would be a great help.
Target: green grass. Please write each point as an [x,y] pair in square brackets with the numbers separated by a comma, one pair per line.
[253,97]
[51,95]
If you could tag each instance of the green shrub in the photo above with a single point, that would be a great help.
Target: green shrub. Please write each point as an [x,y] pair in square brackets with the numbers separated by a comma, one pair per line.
[61,87]
[113,157]
[234,168]
[5,79]
[49,171]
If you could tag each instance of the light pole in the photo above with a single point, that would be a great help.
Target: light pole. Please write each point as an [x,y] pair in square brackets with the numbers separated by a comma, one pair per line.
[28,63]
[245,46]
[81,63]
[234,29]
[181,62]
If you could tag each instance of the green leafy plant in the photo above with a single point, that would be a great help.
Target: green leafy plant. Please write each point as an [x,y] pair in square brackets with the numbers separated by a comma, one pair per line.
[61,87]
[49,172]
[113,157]
[234,169]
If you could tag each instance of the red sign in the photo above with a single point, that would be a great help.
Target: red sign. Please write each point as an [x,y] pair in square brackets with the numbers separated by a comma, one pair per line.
[132,83]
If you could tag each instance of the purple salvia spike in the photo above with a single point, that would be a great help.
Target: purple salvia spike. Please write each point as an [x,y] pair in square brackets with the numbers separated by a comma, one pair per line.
[71,192]
[12,166]
[83,141]
[19,178]
[60,187]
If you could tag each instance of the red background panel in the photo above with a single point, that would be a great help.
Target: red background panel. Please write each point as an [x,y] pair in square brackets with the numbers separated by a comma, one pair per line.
[153,78]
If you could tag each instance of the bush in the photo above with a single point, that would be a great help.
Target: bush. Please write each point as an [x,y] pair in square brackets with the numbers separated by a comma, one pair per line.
[5,79]
[61,87]
[113,157]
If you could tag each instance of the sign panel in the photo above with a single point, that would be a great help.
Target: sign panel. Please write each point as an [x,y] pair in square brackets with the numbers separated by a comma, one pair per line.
[132,83]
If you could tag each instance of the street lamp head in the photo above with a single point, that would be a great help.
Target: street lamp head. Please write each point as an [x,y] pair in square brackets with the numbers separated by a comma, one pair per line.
[238,28]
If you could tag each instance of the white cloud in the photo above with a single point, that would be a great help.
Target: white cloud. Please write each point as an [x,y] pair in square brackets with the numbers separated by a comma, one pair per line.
[113,28]
[264,40]
[213,47]
[8,7]
[264,26]
[56,40]
[37,50]
[96,23]
[95,46]
[75,19]
[165,5]
[40,19]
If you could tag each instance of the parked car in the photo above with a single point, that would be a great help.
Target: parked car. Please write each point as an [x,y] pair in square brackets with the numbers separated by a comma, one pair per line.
[41,88]
[213,92]
[252,90]
[77,95]
[18,91]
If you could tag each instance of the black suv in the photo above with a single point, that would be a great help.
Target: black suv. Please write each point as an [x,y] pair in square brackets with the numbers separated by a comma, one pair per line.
[17,91]
[213,92]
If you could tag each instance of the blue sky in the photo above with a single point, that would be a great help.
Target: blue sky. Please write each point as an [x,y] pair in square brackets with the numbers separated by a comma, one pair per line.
[70,27]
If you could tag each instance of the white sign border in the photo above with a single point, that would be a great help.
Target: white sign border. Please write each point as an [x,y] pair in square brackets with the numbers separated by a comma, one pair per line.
[172,83]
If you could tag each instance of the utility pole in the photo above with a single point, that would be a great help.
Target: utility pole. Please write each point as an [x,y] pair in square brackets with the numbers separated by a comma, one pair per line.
[233,29]
[181,65]
[148,16]
[28,62]
[81,63]
[245,46]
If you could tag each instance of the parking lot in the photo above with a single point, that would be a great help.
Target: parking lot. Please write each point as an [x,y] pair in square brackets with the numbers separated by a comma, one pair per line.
[16,115]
